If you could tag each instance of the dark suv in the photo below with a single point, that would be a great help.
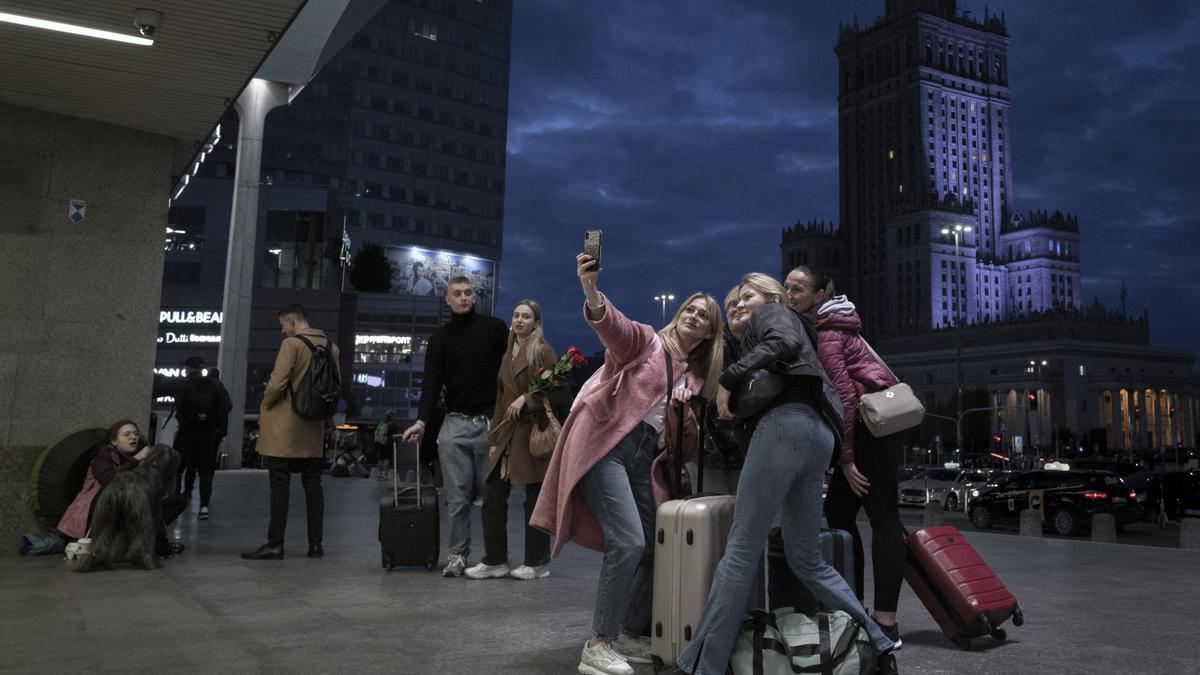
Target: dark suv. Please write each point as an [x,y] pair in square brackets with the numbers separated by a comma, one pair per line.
[1066,500]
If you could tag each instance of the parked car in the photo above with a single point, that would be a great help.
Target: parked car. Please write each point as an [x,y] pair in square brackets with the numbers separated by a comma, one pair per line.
[948,487]
[1161,494]
[1066,500]
[1120,468]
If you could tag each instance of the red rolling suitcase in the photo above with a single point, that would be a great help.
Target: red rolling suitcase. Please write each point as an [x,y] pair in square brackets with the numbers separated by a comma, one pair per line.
[961,592]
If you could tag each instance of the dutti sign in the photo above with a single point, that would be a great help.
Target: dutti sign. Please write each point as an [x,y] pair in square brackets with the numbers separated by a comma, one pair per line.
[189,326]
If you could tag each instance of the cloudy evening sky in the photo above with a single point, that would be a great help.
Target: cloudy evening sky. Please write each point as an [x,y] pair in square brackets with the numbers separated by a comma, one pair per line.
[692,132]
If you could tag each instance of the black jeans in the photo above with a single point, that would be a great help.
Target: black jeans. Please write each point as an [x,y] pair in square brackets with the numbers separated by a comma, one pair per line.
[877,459]
[280,470]
[198,450]
[495,523]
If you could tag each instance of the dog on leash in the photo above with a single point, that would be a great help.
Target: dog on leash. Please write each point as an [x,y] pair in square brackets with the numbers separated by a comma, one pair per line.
[127,513]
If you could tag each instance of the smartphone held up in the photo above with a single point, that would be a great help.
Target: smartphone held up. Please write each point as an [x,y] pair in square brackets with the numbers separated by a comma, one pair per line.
[591,246]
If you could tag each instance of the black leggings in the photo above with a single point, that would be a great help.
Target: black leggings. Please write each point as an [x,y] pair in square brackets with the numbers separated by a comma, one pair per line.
[877,459]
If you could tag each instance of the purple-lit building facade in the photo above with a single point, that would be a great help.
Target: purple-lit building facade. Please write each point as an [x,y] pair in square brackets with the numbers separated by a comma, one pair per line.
[925,146]
[925,149]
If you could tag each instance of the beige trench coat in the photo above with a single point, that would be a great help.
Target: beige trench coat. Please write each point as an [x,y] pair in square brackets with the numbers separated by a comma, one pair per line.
[514,378]
[281,432]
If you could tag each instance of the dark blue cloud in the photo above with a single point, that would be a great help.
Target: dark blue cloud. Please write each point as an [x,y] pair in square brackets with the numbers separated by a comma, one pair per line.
[693,132]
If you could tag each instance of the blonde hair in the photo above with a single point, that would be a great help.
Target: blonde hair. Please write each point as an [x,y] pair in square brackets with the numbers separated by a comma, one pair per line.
[536,339]
[731,298]
[705,359]
[765,284]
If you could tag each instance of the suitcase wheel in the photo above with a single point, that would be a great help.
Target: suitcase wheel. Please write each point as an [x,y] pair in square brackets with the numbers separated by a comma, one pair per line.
[1000,634]
[387,562]
[1018,617]
[963,643]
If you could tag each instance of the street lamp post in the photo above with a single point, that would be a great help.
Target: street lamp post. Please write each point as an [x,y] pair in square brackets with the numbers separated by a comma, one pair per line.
[663,298]
[1049,414]
[958,231]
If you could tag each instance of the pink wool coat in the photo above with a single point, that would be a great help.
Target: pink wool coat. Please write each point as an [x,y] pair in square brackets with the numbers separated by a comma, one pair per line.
[631,382]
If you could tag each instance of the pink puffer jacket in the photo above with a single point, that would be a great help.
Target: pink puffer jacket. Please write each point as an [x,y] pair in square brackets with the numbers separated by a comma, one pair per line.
[848,363]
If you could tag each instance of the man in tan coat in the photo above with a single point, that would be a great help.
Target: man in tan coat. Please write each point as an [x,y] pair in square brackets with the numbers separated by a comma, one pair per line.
[289,443]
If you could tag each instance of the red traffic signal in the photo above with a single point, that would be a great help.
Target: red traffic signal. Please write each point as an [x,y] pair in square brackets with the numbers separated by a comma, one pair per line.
[1033,401]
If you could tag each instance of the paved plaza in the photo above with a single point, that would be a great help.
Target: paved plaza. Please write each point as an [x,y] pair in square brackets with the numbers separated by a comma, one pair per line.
[1089,608]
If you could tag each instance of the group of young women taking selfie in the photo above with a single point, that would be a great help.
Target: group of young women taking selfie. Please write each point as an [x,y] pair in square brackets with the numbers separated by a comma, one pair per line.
[609,471]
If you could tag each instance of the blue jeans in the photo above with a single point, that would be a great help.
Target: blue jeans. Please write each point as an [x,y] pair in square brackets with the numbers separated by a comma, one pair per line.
[785,467]
[617,490]
[463,454]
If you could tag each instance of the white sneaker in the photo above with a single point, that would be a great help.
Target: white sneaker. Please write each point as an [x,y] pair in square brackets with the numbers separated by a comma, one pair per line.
[455,564]
[203,513]
[603,660]
[526,572]
[485,571]
[634,649]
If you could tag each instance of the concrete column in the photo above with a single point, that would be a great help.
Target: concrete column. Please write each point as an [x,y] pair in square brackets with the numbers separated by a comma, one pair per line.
[257,99]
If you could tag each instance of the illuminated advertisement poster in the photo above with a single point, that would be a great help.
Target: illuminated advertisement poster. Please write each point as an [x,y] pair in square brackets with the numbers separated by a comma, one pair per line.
[427,273]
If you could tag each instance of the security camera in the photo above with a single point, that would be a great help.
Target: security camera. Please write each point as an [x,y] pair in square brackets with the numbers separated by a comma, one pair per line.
[147,21]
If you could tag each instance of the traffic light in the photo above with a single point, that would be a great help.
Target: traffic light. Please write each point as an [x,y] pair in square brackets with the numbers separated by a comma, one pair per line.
[1137,412]
[997,442]
[1033,401]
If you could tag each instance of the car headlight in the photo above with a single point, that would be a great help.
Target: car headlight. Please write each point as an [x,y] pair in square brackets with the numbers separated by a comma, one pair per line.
[974,493]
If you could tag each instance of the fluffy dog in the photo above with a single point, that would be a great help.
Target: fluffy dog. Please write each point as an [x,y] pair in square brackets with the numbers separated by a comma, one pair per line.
[127,513]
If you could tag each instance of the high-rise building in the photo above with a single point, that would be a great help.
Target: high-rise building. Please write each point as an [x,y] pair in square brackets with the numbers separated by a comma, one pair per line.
[969,297]
[400,139]
[925,150]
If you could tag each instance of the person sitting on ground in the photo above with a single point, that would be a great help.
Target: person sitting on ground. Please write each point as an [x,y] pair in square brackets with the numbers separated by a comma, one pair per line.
[121,451]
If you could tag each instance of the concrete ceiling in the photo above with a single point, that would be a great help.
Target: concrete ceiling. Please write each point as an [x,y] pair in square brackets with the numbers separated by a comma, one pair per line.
[203,55]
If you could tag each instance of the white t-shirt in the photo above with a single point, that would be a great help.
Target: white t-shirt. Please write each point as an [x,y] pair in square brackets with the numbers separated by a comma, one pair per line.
[657,417]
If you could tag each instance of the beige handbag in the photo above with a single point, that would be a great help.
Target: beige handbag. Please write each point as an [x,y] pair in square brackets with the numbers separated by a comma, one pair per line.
[894,409]
[542,441]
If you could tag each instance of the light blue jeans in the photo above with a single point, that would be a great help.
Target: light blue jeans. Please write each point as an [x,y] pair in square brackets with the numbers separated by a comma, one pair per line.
[463,455]
[617,490]
[784,468]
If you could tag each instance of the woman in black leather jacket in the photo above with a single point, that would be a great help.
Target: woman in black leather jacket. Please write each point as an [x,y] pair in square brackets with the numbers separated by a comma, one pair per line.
[794,440]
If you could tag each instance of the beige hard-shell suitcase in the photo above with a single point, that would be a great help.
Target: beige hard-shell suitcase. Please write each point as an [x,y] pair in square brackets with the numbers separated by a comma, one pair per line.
[689,540]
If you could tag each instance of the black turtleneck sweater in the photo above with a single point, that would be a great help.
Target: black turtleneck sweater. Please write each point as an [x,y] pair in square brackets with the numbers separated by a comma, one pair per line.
[464,356]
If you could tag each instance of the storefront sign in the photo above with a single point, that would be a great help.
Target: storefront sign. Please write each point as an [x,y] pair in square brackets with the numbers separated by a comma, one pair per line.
[188,316]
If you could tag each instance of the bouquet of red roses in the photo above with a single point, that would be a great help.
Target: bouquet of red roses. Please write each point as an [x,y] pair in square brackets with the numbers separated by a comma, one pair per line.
[545,379]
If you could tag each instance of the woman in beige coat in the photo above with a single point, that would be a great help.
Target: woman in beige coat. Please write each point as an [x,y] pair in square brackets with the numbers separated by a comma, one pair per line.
[511,462]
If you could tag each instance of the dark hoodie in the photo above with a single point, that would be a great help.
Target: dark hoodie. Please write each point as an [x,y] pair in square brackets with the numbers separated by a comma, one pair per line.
[848,362]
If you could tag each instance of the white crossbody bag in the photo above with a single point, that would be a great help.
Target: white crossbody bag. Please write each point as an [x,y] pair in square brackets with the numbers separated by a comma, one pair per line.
[893,409]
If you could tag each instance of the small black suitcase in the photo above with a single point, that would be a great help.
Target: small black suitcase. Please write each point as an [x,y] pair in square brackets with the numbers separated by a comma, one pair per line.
[785,590]
[409,527]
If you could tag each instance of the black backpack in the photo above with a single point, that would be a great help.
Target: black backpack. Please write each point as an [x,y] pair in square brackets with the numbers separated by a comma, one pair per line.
[199,403]
[317,396]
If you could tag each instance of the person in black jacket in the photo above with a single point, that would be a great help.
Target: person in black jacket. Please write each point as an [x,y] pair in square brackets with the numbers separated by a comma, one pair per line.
[463,358]
[792,445]
[202,407]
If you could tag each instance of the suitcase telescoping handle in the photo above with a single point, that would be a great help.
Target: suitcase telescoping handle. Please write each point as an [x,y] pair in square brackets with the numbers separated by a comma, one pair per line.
[397,439]
[678,469]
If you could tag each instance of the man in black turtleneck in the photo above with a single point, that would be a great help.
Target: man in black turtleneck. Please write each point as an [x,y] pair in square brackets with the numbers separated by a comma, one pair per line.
[463,357]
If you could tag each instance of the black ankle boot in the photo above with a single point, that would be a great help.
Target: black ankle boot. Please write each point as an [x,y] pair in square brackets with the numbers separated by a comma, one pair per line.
[266,552]
[315,550]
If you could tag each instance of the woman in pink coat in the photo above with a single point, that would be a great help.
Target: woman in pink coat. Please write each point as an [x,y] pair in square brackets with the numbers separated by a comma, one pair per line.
[606,478]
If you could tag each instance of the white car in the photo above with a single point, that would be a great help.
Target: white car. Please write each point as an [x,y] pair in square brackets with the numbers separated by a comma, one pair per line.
[948,487]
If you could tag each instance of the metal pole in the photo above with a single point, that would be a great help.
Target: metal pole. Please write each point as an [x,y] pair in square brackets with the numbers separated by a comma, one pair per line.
[958,432]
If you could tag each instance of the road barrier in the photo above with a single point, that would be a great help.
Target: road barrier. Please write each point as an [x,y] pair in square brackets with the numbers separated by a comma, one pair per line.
[934,515]
[1189,534]
[1031,523]
[1104,528]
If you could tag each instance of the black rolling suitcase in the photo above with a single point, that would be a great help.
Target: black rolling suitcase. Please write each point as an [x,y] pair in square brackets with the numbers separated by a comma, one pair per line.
[409,528]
